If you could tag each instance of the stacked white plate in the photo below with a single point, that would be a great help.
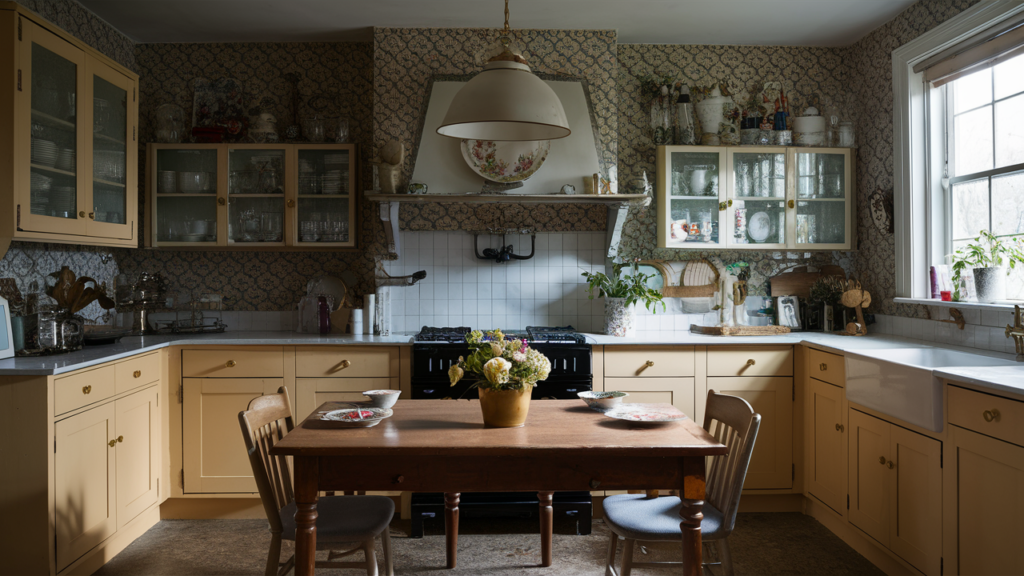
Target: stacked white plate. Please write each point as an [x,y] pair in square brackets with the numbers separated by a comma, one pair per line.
[334,183]
[336,160]
[62,199]
[166,182]
[44,152]
[66,160]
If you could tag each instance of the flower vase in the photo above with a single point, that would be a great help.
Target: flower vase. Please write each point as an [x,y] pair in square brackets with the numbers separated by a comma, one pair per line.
[619,318]
[504,408]
[715,122]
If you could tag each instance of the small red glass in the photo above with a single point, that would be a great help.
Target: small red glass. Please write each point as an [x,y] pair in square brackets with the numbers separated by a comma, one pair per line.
[946,295]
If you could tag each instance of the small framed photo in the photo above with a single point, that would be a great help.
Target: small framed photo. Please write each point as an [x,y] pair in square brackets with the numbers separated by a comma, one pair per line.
[6,334]
[789,311]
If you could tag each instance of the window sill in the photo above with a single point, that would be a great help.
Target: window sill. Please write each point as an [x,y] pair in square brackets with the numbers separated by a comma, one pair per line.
[1006,305]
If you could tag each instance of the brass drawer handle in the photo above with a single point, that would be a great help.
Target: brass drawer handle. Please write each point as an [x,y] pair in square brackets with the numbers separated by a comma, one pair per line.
[137,374]
[881,460]
[991,415]
[890,465]
[112,443]
[646,365]
[86,389]
[230,364]
[751,362]
[840,428]
[344,364]
[823,367]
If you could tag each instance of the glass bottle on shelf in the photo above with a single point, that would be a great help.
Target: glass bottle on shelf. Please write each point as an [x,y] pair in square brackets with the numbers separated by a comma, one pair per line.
[325,202]
[256,203]
[186,195]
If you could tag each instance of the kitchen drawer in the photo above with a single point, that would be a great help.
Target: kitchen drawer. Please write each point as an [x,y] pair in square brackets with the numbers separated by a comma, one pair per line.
[84,388]
[750,360]
[648,361]
[826,367]
[233,363]
[972,410]
[137,371]
[346,361]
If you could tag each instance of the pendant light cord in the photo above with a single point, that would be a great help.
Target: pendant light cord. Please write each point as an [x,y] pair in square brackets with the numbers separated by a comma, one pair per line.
[506,33]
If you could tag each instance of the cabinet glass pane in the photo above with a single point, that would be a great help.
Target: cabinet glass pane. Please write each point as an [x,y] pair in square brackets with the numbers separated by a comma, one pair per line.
[820,175]
[109,156]
[694,174]
[694,221]
[323,172]
[186,195]
[323,213]
[256,172]
[255,219]
[323,220]
[53,181]
[759,175]
[759,221]
[821,221]
[693,198]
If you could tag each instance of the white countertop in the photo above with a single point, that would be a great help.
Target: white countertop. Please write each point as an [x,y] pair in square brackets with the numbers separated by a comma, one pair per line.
[1004,379]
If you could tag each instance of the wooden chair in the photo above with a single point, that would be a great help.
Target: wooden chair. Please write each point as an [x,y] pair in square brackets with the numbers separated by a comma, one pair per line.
[639,517]
[352,520]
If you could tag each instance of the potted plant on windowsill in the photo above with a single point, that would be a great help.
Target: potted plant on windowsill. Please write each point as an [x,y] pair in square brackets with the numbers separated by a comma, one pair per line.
[506,372]
[620,293]
[989,256]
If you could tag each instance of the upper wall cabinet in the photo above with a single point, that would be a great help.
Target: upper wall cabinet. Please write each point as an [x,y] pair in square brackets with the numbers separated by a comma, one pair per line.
[755,198]
[68,156]
[251,196]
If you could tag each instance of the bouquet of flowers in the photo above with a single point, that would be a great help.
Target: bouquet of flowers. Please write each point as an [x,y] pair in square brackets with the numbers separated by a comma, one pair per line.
[500,364]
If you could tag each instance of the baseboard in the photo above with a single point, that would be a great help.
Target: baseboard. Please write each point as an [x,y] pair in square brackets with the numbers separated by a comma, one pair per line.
[100,555]
[212,509]
[885,560]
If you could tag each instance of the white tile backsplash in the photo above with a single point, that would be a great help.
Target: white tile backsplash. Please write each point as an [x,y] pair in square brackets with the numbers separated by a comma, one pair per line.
[984,331]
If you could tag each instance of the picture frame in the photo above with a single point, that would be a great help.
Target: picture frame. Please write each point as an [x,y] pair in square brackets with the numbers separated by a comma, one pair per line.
[788,308]
[6,333]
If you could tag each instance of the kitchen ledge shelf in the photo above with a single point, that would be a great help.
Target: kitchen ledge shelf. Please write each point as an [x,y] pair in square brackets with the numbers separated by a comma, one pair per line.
[618,209]
[1001,306]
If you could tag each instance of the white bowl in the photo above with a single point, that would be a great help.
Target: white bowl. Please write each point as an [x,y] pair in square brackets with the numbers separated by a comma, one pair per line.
[383,398]
[602,400]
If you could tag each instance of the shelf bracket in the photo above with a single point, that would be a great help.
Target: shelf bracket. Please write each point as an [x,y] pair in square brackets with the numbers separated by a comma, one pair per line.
[389,217]
[616,220]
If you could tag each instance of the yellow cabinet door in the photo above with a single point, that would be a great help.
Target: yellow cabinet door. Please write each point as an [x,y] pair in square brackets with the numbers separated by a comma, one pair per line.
[771,464]
[869,475]
[989,505]
[826,462]
[84,466]
[915,491]
[213,451]
[137,423]
[675,391]
[310,393]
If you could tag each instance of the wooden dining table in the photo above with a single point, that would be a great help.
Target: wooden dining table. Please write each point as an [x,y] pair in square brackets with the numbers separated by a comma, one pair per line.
[443,446]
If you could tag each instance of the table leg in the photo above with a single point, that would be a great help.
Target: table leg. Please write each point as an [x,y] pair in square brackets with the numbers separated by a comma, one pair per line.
[690,514]
[547,517]
[307,480]
[451,526]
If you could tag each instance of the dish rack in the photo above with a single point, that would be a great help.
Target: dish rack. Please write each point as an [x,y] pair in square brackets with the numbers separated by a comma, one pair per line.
[198,314]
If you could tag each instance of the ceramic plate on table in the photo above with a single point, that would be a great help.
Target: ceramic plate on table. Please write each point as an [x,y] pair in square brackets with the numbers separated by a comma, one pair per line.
[602,401]
[505,161]
[359,417]
[646,413]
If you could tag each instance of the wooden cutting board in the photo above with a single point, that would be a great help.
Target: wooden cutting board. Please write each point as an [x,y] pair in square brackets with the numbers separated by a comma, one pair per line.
[739,330]
[798,281]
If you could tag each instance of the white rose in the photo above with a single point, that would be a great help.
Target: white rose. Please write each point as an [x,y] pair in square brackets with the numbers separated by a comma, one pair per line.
[496,370]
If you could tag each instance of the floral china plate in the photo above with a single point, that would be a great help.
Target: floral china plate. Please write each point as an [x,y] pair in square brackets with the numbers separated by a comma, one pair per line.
[646,413]
[360,417]
[505,161]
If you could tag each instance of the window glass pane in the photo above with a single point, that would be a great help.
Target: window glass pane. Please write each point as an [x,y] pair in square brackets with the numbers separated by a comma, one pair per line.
[1008,199]
[970,208]
[972,135]
[1009,77]
[972,91]
[1009,132]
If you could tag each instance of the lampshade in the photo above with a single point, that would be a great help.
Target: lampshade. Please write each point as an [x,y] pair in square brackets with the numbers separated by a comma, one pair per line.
[505,102]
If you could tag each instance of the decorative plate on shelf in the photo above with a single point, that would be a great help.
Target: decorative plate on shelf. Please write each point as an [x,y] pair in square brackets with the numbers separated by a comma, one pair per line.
[759,227]
[646,413]
[505,161]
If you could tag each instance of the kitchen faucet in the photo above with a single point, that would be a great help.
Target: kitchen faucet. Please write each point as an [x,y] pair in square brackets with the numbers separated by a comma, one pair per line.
[1017,333]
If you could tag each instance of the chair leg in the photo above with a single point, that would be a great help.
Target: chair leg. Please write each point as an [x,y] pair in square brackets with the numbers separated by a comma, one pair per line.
[370,549]
[389,563]
[726,558]
[627,558]
[609,569]
[274,555]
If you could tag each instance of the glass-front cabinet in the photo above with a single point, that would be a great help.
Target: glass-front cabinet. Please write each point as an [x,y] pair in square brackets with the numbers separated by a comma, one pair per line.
[755,198]
[73,133]
[282,196]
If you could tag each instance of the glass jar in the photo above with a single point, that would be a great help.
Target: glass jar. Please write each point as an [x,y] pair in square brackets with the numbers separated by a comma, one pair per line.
[341,136]
[170,123]
[846,138]
[314,129]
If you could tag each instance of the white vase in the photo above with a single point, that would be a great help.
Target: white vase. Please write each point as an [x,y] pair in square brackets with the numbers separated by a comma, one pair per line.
[711,113]
[619,318]
[990,284]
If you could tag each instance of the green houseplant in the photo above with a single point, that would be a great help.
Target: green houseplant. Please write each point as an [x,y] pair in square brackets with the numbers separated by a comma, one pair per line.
[988,256]
[620,292]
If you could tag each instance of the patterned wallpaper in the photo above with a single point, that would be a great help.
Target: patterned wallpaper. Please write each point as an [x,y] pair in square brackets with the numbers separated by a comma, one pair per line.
[870,62]
[78,21]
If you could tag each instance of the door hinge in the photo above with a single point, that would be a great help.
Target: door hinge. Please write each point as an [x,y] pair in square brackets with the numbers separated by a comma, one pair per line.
[17,223]
[133,94]
[941,456]
[181,478]
[19,80]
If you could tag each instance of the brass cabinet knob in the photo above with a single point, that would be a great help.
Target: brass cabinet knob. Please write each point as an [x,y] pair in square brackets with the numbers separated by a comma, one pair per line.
[646,365]
[751,362]
[881,460]
[230,363]
[112,443]
[890,465]
[792,204]
[344,364]
[221,201]
[840,428]
[399,479]
[291,203]
[730,202]
[137,374]
[81,214]
[991,415]
[823,367]
[92,215]
[120,438]
[722,206]
[86,389]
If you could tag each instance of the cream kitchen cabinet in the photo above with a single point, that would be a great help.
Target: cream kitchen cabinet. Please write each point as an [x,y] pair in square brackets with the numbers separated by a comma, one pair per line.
[826,444]
[755,198]
[895,484]
[341,374]
[70,138]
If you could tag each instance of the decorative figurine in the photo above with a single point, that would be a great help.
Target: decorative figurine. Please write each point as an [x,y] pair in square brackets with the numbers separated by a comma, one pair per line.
[389,165]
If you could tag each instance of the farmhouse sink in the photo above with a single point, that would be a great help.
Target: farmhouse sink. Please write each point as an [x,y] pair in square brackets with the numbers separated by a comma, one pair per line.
[899,382]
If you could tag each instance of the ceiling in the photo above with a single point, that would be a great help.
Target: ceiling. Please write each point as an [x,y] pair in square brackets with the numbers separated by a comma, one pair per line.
[752,22]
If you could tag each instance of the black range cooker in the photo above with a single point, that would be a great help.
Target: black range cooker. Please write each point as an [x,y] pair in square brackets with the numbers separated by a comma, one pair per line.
[435,350]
